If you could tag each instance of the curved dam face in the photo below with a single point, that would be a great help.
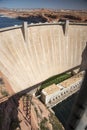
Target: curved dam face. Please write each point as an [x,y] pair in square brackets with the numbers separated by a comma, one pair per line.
[47,51]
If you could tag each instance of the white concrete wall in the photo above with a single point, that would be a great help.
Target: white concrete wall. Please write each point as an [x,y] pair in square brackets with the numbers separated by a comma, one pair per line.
[48,52]
[61,94]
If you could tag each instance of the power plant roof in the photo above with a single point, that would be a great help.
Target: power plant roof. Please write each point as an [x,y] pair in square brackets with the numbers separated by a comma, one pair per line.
[50,89]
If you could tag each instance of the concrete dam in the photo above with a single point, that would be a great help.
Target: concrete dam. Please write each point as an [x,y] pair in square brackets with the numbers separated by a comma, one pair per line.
[33,53]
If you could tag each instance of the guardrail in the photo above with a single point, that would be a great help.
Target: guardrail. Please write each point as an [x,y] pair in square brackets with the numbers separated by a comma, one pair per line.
[40,24]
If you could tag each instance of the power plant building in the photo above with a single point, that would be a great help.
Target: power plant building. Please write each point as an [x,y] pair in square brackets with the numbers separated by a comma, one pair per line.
[57,93]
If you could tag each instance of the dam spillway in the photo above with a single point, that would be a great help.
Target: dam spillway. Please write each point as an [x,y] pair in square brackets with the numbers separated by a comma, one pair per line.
[42,51]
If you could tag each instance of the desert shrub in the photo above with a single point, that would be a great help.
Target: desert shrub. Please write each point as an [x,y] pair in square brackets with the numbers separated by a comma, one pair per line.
[43,124]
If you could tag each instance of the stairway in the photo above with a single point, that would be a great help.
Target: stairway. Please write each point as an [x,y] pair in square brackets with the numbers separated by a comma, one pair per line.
[27,106]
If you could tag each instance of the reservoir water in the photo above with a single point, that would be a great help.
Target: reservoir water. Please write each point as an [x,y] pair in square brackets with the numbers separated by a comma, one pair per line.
[7,22]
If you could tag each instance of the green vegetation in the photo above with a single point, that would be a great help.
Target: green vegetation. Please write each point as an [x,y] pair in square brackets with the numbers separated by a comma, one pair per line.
[56,125]
[56,79]
[37,113]
[4,93]
[43,124]
[55,122]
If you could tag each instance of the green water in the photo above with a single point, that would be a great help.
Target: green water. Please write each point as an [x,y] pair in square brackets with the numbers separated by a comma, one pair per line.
[63,109]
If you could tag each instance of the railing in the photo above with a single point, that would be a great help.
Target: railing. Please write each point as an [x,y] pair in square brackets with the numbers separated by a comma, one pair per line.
[39,24]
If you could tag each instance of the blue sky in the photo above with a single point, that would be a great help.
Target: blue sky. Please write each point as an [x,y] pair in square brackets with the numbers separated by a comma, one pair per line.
[55,4]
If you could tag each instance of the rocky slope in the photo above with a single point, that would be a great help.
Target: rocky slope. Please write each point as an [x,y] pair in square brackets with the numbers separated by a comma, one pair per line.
[13,116]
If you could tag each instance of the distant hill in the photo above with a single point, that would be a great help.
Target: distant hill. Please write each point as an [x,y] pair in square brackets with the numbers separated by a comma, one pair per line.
[46,15]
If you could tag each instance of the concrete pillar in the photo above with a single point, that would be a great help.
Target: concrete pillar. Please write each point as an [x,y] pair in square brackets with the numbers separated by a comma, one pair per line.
[66,27]
[25,32]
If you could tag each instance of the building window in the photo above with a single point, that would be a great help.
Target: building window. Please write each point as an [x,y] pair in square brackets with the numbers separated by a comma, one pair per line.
[53,99]
[49,101]
[64,92]
[57,97]
[67,91]
[61,93]
[77,83]
[74,86]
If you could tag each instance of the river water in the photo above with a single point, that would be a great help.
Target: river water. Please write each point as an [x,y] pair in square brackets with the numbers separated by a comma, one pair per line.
[63,109]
